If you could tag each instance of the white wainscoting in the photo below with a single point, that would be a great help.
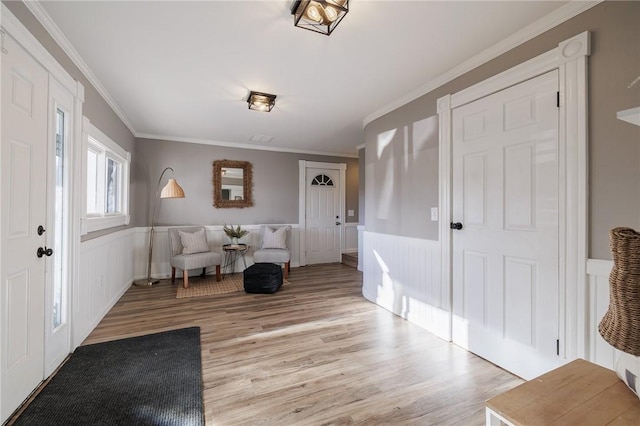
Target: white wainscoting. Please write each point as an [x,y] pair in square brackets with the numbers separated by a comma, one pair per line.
[160,267]
[350,237]
[360,250]
[600,352]
[105,274]
[403,275]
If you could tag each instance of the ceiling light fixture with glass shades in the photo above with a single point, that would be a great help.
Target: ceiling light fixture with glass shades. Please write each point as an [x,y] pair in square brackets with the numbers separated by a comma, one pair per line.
[321,16]
[261,101]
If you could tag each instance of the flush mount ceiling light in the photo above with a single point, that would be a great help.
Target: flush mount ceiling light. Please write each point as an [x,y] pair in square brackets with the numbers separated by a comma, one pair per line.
[261,101]
[321,16]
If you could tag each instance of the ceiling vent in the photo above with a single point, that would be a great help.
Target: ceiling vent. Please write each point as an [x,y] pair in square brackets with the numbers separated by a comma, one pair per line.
[261,138]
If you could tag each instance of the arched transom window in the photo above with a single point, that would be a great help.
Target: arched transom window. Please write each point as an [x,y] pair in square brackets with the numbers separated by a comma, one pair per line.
[322,180]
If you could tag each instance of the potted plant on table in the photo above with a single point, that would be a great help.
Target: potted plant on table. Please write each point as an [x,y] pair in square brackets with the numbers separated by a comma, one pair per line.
[234,233]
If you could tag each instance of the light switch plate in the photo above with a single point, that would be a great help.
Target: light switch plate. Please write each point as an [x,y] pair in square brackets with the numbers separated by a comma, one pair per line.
[434,214]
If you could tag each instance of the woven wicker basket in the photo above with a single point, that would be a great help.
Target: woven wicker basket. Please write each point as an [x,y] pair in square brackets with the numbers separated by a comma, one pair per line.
[620,326]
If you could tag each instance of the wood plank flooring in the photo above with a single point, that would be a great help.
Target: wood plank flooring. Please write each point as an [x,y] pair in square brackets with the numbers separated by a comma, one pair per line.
[350,259]
[315,353]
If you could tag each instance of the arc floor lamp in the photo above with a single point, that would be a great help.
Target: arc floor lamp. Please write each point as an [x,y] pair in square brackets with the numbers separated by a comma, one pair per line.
[170,190]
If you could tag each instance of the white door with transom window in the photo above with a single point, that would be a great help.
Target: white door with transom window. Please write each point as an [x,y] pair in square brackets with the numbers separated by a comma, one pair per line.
[505,250]
[24,202]
[323,216]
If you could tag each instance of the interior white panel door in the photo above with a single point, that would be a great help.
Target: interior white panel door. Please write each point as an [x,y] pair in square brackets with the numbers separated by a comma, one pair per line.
[505,258]
[23,159]
[323,224]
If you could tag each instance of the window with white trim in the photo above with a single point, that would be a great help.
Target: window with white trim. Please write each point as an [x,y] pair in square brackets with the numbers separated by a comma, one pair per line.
[106,183]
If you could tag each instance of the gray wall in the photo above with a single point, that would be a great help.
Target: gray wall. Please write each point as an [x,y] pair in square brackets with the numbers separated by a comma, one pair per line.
[275,184]
[614,145]
[401,175]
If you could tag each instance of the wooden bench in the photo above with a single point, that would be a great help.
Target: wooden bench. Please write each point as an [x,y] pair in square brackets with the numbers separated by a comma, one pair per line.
[578,393]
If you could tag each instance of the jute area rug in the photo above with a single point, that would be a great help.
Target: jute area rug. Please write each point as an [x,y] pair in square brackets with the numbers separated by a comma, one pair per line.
[154,379]
[208,286]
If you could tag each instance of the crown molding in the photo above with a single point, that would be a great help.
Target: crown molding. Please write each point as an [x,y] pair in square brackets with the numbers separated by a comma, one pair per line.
[58,36]
[553,19]
[242,145]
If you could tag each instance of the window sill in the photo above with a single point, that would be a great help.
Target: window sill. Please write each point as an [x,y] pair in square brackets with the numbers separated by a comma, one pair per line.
[92,224]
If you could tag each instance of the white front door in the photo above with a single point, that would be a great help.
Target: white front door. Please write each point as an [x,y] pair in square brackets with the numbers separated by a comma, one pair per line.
[506,198]
[323,216]
[24,190]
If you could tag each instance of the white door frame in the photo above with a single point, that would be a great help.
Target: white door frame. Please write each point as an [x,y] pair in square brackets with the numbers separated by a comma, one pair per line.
[13,26]
[303,165]
[570,58]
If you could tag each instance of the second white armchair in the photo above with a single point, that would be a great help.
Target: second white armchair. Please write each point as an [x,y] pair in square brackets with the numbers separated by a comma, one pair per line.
[273,247]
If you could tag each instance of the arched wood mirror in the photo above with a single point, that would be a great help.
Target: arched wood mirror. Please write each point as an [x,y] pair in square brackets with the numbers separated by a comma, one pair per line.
[232,182]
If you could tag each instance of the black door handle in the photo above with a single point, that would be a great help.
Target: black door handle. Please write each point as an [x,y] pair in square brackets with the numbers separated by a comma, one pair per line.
[456,225]
[44,251]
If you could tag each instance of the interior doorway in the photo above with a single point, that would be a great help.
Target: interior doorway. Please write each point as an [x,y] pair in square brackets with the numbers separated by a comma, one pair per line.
[505,257]
[569,62]
[321,215]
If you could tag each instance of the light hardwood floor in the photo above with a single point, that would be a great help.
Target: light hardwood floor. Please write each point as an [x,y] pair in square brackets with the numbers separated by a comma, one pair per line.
[315,353]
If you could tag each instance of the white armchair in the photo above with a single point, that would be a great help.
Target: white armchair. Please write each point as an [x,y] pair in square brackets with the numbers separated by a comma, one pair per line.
[190,250]
[273,247]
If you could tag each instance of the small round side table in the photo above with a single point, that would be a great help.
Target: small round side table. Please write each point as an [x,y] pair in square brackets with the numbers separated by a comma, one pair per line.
[233,253]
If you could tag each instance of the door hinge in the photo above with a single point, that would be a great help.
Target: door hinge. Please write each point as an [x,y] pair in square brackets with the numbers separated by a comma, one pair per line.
[558,99]
[558,347]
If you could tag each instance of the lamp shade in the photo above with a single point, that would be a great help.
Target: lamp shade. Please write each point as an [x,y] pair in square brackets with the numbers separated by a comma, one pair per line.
[620,326]
[321,16]
[172,190]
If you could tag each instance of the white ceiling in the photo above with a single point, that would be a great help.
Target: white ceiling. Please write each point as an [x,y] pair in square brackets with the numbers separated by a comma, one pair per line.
[182,70]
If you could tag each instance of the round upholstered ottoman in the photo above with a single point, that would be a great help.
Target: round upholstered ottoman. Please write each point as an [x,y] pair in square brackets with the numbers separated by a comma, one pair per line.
[262,278]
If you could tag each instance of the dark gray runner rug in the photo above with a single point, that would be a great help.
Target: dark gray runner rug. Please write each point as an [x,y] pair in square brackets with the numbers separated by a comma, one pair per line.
[148,380]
